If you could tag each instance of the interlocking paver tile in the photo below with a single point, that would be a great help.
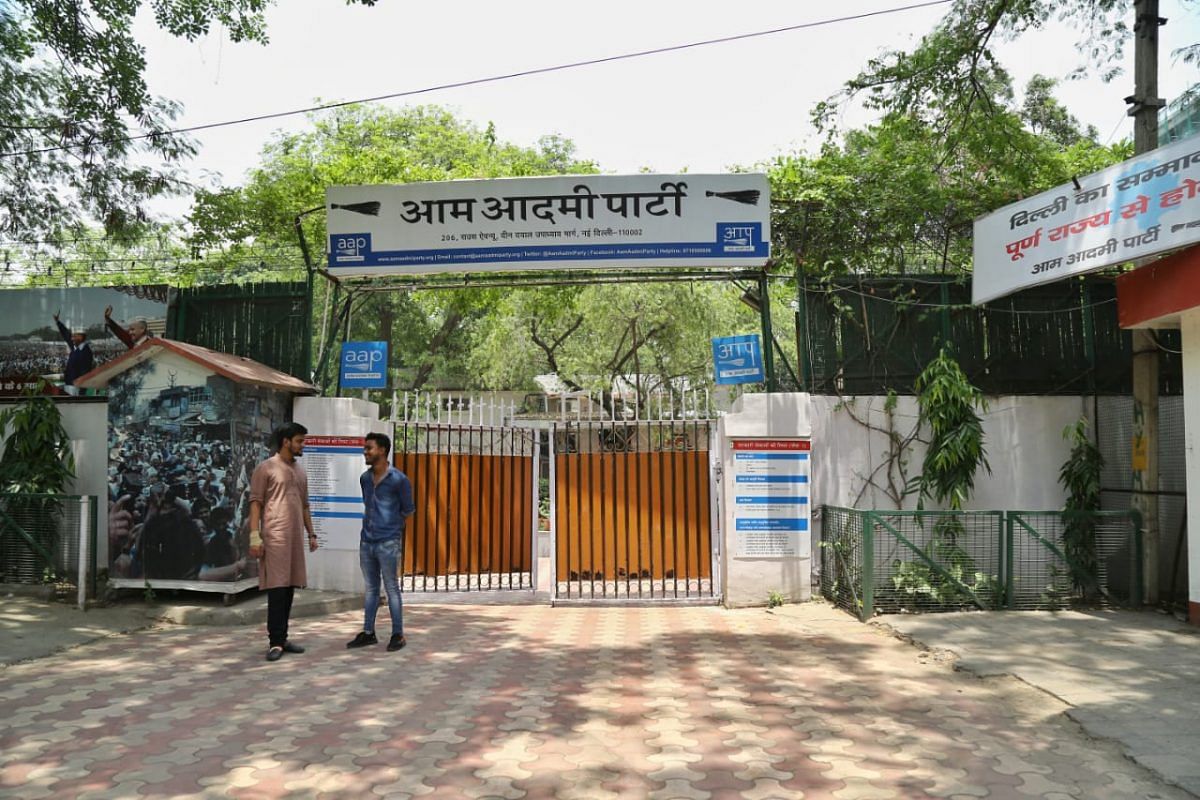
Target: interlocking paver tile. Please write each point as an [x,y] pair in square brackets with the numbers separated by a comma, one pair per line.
[539,702]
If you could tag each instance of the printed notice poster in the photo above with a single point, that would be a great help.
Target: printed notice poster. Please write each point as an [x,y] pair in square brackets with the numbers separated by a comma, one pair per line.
[333,465]
[771,497]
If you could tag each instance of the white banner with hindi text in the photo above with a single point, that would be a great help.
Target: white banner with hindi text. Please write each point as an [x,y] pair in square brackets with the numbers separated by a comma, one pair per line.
[574,221]
[1140,207]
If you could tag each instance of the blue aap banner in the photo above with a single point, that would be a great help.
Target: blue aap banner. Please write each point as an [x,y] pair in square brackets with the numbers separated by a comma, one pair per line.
[364,365]
[738,359]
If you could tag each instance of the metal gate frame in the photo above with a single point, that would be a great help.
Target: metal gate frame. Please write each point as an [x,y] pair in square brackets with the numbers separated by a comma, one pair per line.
[437,524]
[649,590]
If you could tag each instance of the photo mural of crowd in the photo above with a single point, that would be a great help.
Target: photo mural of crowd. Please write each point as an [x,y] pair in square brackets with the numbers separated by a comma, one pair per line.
[181,455]
[179,505]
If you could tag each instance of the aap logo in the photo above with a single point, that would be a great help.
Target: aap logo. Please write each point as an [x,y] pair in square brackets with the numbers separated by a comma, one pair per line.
[739,237]
[364,365]
[348,248]
[363,360]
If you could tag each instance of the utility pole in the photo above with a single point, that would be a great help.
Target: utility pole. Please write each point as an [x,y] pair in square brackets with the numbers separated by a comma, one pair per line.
[768,336]
[1145,103]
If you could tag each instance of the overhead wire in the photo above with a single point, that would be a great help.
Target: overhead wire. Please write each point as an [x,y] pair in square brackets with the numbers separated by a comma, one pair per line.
[485,80]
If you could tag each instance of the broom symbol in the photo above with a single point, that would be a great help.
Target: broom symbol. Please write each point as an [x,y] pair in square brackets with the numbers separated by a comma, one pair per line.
[747,196]
[371,208]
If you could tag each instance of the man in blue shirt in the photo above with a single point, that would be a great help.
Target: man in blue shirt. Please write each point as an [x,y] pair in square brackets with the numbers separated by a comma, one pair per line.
[388,500]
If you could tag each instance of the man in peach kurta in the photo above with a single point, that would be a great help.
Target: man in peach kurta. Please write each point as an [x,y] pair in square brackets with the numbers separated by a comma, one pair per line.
[279,518]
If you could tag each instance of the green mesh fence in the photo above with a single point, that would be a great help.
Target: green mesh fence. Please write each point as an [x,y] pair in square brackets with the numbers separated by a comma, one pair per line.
[1044,574]
[869,335]
[841,557]
[43,537]
[936,560]
[891,562]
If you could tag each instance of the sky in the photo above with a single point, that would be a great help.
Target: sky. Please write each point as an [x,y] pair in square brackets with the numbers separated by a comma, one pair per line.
[703,109]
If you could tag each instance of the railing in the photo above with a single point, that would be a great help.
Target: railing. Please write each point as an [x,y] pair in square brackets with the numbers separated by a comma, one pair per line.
[49,539]
[885,562]
[508,408]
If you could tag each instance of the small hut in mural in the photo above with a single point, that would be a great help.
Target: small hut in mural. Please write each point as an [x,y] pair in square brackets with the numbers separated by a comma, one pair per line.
[186,427]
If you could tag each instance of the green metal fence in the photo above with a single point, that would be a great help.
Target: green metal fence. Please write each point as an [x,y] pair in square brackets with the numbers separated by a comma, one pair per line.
[889,562]
[268,322]
[45,537]
[868,335]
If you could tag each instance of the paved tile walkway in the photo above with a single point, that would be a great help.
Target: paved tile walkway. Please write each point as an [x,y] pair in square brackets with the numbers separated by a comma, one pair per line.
[534,702]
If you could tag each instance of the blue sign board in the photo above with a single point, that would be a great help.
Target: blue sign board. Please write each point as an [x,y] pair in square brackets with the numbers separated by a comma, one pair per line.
[738,359]
[364,365]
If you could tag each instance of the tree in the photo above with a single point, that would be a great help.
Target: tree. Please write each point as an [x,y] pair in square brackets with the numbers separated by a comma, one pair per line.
[652,336]
[947,76]
[1045,116]
[898,198]
[81,137]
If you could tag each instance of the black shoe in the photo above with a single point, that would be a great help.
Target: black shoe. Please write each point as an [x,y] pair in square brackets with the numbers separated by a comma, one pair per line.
[362,640]
[288,647]
[274,654]
[396,642]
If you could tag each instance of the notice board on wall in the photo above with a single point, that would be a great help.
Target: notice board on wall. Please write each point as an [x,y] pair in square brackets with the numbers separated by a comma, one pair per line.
[771,508]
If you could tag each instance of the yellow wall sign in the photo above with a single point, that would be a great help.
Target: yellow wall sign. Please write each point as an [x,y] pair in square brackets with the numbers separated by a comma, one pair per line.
[1140,449]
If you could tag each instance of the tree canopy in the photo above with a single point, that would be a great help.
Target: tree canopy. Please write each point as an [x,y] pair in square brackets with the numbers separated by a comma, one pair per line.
[81,136]
[899,196]
[952,72]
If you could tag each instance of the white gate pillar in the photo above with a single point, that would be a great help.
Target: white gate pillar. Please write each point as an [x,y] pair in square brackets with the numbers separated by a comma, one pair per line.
[765,516]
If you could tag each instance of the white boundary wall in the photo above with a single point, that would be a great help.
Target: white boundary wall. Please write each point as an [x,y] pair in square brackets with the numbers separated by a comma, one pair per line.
[1024,444]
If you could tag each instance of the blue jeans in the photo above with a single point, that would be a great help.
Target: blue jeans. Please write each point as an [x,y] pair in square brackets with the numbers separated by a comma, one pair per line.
[381,559]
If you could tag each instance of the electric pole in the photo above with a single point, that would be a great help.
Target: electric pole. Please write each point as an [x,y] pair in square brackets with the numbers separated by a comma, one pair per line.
[1145,103]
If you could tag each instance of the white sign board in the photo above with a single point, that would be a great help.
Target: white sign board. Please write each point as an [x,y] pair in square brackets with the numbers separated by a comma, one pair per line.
[574,221]
[333,465]
[1140,207]
[771,497]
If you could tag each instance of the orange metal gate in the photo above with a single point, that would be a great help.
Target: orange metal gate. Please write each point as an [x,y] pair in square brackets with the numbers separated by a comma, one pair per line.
[473,487]
[632,510]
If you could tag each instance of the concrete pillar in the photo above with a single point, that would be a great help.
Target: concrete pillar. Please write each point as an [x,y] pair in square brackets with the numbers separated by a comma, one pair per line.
[1190,324]
[747,581]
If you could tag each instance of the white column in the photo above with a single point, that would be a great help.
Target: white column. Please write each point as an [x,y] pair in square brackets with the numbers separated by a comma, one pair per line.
[747,580]
[1190,323]
[85,551]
